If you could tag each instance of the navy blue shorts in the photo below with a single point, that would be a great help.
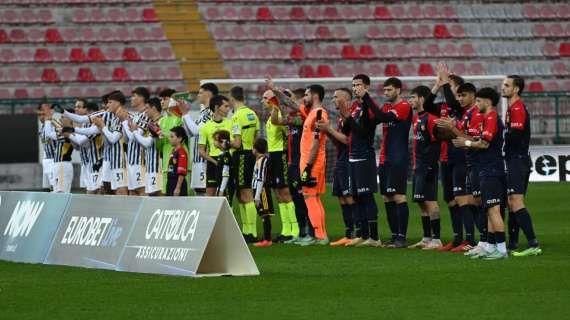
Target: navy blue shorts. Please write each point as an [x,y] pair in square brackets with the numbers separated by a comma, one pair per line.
[425,183]
[362,180]
[341,180]
[472,183]
[446,175]
[278,170]
[295,179]
[493,191]
[518,174]
[393,178]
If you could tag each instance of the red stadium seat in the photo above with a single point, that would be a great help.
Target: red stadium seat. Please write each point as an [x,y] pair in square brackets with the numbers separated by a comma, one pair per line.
[407,31]
[263,53]
[38,93]
[18,35]
[415,12]
[131,54]
[382,13]
[246,14]
[314,13]
[149,15]
[97,15]
[563,11]
[366,52]
[7,55]
[92,92]
[60,55]
[559,68]
[297,52]
[547,11]
[280,13]
[348,13]
[120,74]
[314,52]
[115,14]
[212,13]
[565,49]
[87,35]
[113,54]
[476,69]
[448,12]
[5,94]
[430,12]
[149,54]
[14,75]
[67,74]
[450,50]
[331,52]
[21,93]
[95,55]
[535,86]
[457,31]
[281,53]
[229,53]
[157,34]
[10,16]
[56,93]
[85,75]
[79,16]
[306,72]
[383,51]
[323,33]
[392,70]
[341,33]
[255,33]
[467,50]
[365,13]
[391,32]
[398,12]
[69,34]
[221,33]
[374,32]
[4,36]
[401,51]
[42,55]
[409,69]
[331,13]
[32,75]
[239,33]
[103,74]
[165,53]
[349,52]
[440,31]
[324,71]
[530,11]
[550,49]
[424,31]
[264,14]
[247,53]
[106,35]
[539,30]
[49,75]
[426,69]
[173,73]
[556,30]
[298,14]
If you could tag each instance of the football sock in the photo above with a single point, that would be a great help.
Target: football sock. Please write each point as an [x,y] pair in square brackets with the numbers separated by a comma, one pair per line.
[347,218]
[392,215]
[436,228]
[426,226]
[284,216]
[500,240]
[456,224]
[371,216]
[362,217]
[467,214]
[267,227]
[483,224]
[292,219]
[403,216]
[243,216]
[524,221]
[300,212]
[251,213]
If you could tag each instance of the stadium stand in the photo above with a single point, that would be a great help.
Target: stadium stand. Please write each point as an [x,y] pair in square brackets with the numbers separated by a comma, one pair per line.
[407,39]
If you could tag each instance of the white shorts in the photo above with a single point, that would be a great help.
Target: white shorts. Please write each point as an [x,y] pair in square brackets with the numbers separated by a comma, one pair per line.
[136,176]
[90,180]
[153,182]
[198,180]
[105,171]
[62,176]
[47,173]
[119,179]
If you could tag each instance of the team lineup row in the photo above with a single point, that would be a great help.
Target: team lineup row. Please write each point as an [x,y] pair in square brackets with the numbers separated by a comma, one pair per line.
[482,162]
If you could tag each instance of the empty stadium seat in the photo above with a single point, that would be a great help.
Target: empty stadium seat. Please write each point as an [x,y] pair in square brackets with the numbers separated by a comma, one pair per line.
[131,54]
[53,36]
[382,13]
[264,14]
[349,52]
[42,55]
[426,69]
[366,52]
[120,74]
[85,75]
[298,14]
[565,49]
[50,75]
[149,15]
[392,70]
[324,71]
[95,55]
[535,86]
[306,71]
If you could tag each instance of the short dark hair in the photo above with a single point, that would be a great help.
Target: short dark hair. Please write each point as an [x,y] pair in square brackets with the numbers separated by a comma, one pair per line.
[318,89]
[166,93]
[489,93]
[222,134]
[518,82]
[143,92]
[299,93]
[210,87]
[179,132]
[457,79]
[394,82]
[45,102]
[118,96]
[237,93]
[467,87]
[83,101]
[260,145]
[365,79]
[217,101]
[105,97]
[91,106]
[345,90]
[421,91]
[155,103]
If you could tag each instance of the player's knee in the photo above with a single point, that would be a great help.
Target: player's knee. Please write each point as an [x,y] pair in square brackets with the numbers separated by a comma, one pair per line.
[399,198]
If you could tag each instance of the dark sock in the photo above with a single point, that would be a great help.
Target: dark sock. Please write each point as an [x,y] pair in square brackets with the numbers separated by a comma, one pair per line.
[403,216]
[468,223]
[491,238]
[361,209]
[373,227]
[372,216]
[512,229]
[499,237]
[267,228]
[524,221]
[426,226]
[347,217]
[456,224]
[483,224]
[436,228]
[301,212]
[356,220]
[392,215]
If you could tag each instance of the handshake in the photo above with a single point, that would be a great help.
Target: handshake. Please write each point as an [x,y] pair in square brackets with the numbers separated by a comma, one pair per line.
[307,180]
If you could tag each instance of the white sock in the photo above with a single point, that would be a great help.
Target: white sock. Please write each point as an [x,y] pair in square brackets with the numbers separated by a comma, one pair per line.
[425,239]
[502,247]
[490,247]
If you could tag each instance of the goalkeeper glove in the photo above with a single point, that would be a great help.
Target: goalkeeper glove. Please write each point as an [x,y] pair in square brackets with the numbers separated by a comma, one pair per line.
[306,179]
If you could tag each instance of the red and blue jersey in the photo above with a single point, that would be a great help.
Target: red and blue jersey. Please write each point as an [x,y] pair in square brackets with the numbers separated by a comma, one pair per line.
[517,135]
[295,129]
[491,160]
[470,124]
[394,147]
[361,129]
[178,163]
[426,147]
[342,150]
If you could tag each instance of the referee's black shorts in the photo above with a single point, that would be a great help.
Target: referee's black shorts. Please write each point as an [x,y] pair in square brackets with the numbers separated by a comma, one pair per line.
[278,169]
[243,162]
[518,174]
[211,174]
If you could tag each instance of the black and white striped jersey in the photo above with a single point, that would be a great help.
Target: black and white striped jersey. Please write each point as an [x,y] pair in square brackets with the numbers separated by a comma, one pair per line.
[152,156]
[134,149]
[63,150]
[205,115]
[114,152]
[259,174]
[91,151]
[48,145]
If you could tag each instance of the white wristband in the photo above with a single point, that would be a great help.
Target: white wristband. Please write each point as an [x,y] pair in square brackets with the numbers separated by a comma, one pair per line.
[468,143]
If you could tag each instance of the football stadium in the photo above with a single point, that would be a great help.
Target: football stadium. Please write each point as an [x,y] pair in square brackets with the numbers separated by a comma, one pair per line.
[284,159]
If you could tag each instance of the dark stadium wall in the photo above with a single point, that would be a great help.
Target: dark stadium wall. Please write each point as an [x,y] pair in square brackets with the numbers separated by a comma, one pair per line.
[19,142]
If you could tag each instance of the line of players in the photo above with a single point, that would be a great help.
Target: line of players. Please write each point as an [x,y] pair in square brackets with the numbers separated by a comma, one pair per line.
[291,160]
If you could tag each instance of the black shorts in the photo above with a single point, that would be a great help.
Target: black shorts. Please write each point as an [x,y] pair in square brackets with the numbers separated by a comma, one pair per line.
[446,175]
[171,185]
[393,178]
[472,183]
[278,170]
[493,191]
[362,181]
[341,180]
[425,183]
[243,162]
[518,174]
[211,174]
[265,206]
[295,179]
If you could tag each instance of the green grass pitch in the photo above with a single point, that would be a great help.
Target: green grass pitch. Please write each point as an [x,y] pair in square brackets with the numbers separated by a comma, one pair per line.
[322,282]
